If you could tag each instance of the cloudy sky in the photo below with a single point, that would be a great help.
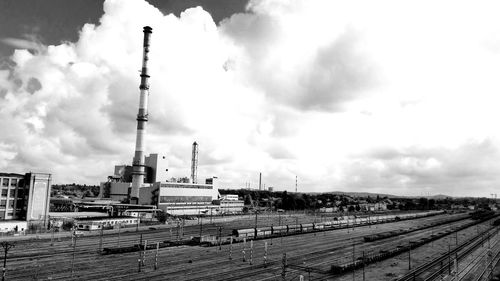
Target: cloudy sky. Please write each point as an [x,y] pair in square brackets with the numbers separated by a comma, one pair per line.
[397,97]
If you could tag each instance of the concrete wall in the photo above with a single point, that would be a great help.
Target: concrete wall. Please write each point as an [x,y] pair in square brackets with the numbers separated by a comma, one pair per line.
[146,195]
[159,164]
[39,186]
[119,190]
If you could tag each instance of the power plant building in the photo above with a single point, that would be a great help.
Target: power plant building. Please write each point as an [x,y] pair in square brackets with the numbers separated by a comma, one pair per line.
[146,182]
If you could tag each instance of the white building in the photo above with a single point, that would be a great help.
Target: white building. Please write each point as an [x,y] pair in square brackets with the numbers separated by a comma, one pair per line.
[182,198]
[173,197]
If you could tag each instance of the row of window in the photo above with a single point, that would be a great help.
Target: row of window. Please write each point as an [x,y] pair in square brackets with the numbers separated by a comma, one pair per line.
[171,199]
[5,192]
[5,182]
[2,214]
[186,186]
[3,203]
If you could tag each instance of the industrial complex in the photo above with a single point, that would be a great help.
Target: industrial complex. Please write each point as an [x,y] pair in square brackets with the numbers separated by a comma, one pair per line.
[209,236]
[145,182]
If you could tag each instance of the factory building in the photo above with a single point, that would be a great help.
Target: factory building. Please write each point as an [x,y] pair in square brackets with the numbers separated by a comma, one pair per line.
[118,187]
[25,197]
[177,198]
[146,182]
[231,204]
[174,196]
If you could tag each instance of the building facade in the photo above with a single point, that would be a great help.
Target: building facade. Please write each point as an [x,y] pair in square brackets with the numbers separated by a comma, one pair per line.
[10,184]
[25,197]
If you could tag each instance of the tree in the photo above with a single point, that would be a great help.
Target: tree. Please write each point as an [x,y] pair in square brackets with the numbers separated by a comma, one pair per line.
[248,199]
[161,217]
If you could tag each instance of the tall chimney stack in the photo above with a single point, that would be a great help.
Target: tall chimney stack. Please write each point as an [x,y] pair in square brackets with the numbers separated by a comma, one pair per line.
[194,163]
[138,171]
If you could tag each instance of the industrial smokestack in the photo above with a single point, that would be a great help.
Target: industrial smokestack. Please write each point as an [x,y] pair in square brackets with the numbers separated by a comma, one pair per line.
[194,163]
[142,119]
[260,180]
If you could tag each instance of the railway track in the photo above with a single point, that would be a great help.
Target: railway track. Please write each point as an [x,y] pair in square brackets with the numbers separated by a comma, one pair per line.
[42,260]
[435,268]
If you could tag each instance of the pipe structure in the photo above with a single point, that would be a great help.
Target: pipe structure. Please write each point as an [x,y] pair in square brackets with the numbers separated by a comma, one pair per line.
[138,171]
[194,163]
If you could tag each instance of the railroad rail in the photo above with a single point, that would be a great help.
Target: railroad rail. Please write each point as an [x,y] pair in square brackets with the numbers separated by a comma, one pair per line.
[444,262]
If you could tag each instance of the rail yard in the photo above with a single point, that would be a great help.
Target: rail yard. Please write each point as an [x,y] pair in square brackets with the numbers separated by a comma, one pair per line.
[428,247]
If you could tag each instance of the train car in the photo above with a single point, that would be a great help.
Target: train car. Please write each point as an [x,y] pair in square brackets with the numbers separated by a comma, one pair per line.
[96,223]
[305,227]
[244,233]
[342,222]
[293,228]
[328,224]
[263,231]
[279,229]
[363,221]
[319,226]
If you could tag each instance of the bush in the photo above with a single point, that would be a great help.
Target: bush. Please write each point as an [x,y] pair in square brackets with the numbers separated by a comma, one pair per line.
[68,225]
[161,217]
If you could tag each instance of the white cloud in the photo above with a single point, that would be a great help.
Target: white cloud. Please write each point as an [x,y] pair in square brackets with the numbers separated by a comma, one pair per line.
[388,96]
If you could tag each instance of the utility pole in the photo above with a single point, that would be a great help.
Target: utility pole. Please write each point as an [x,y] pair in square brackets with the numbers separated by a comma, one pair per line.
[74,251]
[51,236]
[363,265]
[409,255]
[100,238]
[256,218]
[156,255]
[265,254]
[220,238]
[353,260]
[201,227]
[119,227]
[243,251]
[6,246]
[231,248]
[283,267]
[251,252]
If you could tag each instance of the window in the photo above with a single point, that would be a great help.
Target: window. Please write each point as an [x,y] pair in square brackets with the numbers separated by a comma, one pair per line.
[12,193]
[5,182]
[4,192]
[3,203]
[11,203]
[13,182]
[10,214]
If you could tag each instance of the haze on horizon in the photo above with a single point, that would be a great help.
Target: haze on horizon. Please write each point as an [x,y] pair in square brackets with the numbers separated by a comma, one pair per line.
[386,97]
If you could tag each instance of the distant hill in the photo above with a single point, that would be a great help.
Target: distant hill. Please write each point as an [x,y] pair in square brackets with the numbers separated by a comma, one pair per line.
[366,194]
[362,194]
